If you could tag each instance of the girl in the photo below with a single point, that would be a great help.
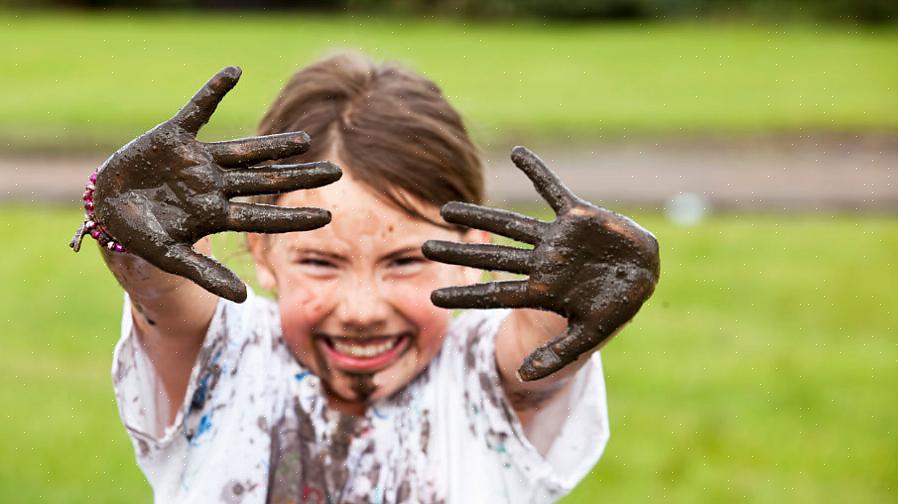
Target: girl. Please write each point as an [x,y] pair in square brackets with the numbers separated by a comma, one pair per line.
[356,384]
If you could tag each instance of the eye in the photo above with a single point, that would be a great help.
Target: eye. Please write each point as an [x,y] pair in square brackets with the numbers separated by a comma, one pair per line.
[318,267]
[407,261]
[407,265]
[319,263]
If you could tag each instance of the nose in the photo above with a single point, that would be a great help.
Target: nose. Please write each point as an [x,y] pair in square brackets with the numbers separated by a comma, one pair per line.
[362,309]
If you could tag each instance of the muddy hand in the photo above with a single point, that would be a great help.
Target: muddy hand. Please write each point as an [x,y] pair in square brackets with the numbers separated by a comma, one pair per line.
[590,265]
[165,190]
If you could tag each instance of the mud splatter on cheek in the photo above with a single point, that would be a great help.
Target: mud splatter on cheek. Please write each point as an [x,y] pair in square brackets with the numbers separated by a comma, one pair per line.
[300,296]
[311,299]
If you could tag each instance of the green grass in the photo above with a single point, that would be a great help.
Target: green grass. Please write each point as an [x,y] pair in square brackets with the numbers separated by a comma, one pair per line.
[764,369]
[96,81]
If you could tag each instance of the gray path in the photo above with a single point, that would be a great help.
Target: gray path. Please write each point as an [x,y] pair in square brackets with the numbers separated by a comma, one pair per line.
[761,173]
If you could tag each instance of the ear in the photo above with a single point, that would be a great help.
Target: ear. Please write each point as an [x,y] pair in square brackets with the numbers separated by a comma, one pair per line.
[258,246]
[473,275]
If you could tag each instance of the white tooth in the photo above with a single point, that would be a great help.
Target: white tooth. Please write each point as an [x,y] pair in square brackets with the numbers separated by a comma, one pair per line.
[365,350]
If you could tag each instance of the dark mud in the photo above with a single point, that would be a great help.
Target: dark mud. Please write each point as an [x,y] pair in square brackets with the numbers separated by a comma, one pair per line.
[590,265]
[165,190]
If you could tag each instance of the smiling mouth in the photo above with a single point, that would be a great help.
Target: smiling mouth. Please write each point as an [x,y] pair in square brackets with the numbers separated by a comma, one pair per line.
[361,354]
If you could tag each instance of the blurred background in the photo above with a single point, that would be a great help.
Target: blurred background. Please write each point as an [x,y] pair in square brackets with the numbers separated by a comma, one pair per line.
[757,139]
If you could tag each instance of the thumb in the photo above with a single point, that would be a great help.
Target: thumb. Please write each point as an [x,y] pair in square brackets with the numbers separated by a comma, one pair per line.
[180,259]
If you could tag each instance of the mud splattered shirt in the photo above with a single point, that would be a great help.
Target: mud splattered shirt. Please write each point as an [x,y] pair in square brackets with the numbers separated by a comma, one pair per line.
[255,427]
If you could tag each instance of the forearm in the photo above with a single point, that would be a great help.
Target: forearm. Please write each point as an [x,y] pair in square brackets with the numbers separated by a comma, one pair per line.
[171,315]
[167,305]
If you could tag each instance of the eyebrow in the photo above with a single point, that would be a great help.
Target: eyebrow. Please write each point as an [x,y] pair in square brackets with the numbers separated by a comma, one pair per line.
[335,256]
[400,252]
[320,252]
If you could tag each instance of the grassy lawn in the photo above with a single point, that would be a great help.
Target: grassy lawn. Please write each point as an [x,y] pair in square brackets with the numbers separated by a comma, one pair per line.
[763,370]
[95,81]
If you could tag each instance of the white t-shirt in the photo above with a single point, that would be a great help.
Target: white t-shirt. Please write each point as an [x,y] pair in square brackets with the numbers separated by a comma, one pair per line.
[255,426]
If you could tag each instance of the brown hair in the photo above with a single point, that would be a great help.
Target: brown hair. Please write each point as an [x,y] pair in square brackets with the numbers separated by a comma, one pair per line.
[392,127]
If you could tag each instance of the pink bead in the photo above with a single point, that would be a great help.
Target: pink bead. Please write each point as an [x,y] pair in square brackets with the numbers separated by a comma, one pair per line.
[119,248]
[95,233]
[93,177]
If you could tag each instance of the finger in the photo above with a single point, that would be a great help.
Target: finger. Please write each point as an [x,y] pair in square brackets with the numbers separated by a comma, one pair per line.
[549,186]
[511,294]
[250,151]
[277,179]
[258,218]
[180,259]
[199,109]
[513,225]
[481,256]
[558,353]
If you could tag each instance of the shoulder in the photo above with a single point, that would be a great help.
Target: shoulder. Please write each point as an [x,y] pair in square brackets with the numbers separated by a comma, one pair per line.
[579,421]
[237,385]
[239,354]
[473,327]
[258,316]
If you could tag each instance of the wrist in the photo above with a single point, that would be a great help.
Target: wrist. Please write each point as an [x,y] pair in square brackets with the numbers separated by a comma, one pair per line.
[92,225]
[538,327]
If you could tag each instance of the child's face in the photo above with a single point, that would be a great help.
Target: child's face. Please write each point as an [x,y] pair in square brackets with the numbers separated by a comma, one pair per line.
[354,296]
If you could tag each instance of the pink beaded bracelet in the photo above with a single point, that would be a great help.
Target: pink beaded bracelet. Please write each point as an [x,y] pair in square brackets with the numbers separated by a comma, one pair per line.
[90,226]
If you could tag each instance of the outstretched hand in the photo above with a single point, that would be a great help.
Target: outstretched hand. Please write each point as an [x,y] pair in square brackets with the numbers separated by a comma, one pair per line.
[165,190]
[590,265]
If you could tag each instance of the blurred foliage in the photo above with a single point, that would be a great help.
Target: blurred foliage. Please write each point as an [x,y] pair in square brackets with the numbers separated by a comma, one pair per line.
[92,81]
[856,10]
[764,369]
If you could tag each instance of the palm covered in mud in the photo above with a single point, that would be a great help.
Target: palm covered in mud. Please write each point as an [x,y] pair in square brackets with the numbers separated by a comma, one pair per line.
[165,190]
[590,265]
